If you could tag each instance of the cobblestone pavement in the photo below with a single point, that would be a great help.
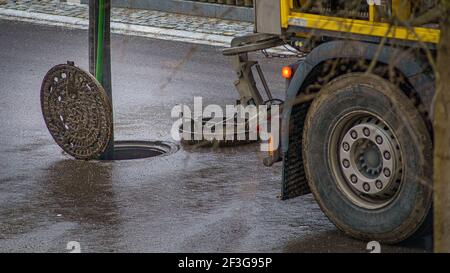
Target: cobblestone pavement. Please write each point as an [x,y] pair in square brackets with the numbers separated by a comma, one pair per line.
[202,25]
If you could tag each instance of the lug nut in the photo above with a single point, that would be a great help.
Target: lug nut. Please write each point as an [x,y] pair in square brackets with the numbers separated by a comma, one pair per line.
[354,179]
[366,132]
[354,134]
[379,184]
[379,140]
[346,163]
[387,155]
[346,146]
[387,172]
[366,187]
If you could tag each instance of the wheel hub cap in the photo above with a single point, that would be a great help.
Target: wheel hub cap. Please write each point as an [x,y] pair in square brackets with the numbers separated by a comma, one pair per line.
[369,159]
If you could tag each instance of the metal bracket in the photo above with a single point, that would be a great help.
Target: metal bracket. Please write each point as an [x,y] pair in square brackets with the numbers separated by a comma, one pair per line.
[245,84]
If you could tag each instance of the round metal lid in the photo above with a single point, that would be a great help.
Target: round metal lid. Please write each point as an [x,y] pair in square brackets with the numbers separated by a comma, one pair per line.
[77,111]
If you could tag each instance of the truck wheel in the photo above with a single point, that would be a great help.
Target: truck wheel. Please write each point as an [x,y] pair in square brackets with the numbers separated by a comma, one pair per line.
[368,159]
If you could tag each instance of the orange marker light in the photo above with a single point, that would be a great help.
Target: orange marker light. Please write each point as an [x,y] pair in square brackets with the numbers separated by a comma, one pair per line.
[286,72]
[271,148]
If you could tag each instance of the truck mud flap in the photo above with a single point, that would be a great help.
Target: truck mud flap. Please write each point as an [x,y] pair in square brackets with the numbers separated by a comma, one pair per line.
[294,179]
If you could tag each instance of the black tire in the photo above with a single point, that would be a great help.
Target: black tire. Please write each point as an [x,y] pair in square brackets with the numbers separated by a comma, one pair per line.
[406,213]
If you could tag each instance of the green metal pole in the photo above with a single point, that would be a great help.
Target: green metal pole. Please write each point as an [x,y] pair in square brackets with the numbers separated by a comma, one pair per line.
[100,39]
[100,53]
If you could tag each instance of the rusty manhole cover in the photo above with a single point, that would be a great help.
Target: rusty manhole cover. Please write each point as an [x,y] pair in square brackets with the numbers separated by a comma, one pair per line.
[77,111]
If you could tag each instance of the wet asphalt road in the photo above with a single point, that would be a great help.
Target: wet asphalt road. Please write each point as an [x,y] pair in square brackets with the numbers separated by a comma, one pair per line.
[194,200]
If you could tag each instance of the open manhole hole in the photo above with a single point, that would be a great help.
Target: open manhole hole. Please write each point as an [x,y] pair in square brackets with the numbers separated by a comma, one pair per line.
[128,150]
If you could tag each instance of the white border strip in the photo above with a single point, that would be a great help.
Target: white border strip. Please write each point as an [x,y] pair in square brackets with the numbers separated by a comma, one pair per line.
[126,29]
[120,28]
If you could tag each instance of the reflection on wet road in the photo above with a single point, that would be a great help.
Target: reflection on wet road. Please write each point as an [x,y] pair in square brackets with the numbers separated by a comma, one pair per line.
[195,200]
